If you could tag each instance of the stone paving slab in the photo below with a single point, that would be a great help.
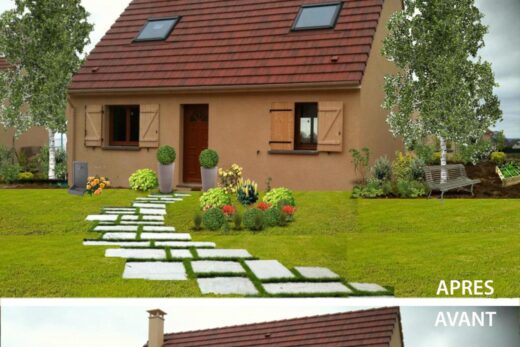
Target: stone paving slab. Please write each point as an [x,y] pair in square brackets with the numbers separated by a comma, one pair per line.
[136,253]
[118,243]
[227,285]
[223,253]
[143,205]
[306,288]
[268,269]
[129,217]
[118,212]
[208,266]
[166,236]
[153,211]
[368,287]
[153,218]
[315,272]
[182,194]
[181,253]
[119,236]
[166,271]
[160,196]
[158,228]
[102,218]
[140,222]
[181,244]
[116,228]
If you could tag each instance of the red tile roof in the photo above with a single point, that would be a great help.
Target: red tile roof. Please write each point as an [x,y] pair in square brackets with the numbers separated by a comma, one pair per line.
[370,328]
[231,43]
[3,64]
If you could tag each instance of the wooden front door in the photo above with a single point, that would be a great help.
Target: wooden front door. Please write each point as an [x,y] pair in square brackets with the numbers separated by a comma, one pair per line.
[195,140]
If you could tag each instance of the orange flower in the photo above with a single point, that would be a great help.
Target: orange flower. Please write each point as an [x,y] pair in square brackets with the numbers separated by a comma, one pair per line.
[98,191]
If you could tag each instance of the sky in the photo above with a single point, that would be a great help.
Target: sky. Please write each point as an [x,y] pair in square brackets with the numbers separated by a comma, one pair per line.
[124,324]
[502,47]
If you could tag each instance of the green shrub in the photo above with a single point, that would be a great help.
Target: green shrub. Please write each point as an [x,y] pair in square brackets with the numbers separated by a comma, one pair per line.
[247,192]
[25,176]
[197,221]
[284,219]
[166,155]
[214,197]
[42,160]
[407,168]
[9,173]
[360,159]
[436,158]
[410,189]
[229,178]
[498,158]
[237,221]
[382,169]
[208,158]
[143,180]
[277,194]
[426,153]
[213,219]
[373,189]
[272,217]
[254,219]
[474,153]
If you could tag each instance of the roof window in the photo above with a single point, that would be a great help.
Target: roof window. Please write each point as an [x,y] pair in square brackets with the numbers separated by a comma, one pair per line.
[318,16]
[157,29]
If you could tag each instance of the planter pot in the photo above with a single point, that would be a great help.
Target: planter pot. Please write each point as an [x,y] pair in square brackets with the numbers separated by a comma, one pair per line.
[209,178]
[166,178]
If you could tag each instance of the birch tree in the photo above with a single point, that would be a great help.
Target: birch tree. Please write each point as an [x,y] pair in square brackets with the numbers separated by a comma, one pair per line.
[43,40]
[443,88]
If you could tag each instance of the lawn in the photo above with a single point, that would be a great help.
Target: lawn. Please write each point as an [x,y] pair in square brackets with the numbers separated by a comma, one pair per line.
[407,244]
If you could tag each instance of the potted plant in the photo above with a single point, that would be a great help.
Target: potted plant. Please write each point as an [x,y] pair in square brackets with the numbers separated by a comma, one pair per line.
[166,156]
[208,160]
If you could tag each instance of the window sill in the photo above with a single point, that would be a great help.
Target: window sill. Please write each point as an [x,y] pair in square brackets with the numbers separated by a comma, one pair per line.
[122,148]
[295,152]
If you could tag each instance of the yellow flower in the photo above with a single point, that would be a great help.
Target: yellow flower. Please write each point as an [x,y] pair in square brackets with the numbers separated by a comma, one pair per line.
[89,186]
[96,182]
[107,183]
[102,185]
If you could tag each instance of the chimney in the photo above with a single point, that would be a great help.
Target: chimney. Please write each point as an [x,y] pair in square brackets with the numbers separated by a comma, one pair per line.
[156,328]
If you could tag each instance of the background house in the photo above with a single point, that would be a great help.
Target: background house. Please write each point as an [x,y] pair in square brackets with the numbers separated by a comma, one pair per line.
[283,88]
[370,328]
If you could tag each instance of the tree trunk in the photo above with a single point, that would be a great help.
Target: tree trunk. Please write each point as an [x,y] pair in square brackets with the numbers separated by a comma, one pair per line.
[52,156]
[444,152]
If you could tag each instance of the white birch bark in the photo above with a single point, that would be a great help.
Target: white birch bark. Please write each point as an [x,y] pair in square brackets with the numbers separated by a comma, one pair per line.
[52,156]
[444,152]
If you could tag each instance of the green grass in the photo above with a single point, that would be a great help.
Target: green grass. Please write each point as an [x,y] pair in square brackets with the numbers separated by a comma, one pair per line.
[406,244]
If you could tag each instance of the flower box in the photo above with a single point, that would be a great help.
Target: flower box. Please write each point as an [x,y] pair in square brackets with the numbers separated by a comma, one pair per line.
[508,175]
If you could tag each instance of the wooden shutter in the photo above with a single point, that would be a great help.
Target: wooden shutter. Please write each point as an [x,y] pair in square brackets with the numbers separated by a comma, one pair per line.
[330,126]
[282,126]
[93,125]
[149,126]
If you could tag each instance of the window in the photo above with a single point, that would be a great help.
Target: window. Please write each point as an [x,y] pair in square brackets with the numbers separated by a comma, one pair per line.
[306,126]
[123,125]
[321,16]
[157,29]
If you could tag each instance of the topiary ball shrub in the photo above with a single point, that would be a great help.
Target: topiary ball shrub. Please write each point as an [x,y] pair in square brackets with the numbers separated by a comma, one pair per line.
[498,158]
[277,194]
[215,197]
[253,219]
[272,217]
[213,219]
[208,158]
[166,155]
[143,180]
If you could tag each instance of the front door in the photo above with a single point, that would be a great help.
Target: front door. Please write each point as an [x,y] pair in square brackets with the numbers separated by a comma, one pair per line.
[195,140]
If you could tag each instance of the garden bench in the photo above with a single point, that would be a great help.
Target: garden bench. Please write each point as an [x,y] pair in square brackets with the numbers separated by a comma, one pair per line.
[456,179]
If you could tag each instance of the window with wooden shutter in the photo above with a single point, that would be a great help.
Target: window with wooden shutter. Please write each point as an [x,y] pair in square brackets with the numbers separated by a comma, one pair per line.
[330,126]
[149,126]
[93,125]
[282,126]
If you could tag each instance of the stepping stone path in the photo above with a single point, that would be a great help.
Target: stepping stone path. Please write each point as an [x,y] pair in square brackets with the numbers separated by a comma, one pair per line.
[155,251]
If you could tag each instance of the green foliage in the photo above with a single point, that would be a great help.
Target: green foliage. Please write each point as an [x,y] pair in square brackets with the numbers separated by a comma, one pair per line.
[254,219]
[408,168]
[9,173]
[272,217]
[382,169]
[214,197]
[213,219]
[442,88]
[237,221]
[247,192]
[143,180]
[426,154]
[25,176]
[511,169]
[208,158]
[499,140]
[360,159]
[197,221]
[474,152]
[277,194]
[373,189]
[410,189]
[229,178]
[498,158]
[166,155]
[42,160]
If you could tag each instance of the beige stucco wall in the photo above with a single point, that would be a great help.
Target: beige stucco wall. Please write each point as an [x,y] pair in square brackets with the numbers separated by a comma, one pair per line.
[35,137]
[397,338]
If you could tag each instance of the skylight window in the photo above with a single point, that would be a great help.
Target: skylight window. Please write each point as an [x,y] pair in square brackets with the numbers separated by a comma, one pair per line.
[319,16]
[157,29]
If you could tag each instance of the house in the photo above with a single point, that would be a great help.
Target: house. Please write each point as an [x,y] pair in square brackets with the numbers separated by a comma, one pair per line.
[282,88]
[31,141]
[368,328]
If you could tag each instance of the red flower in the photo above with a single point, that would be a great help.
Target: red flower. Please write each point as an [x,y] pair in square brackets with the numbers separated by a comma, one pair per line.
[263,206]
[289,210]
[228,210]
